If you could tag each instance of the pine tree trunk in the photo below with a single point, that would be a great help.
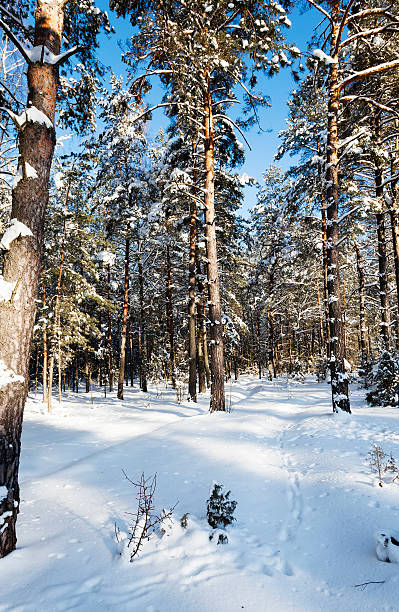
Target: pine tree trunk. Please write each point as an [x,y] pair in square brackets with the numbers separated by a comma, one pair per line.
[23,261]
[59,364]
[360,275]
[325,282]
[50,382]
[192,340]
[87,371]
[143,335]
[393,213]
[339,378]
[271,364]
[131,356]
[215,312]
[45,365]
[325,271]
[169,316]
[258,347]
[321,321]
[201,340]
[124,318]
[383,280]
[109,333]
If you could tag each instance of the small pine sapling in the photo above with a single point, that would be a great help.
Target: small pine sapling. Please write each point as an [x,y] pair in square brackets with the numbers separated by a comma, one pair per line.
[184,520]
[385,381]
[219,512]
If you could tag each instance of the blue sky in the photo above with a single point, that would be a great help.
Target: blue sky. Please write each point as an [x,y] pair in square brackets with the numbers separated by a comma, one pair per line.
[263,144]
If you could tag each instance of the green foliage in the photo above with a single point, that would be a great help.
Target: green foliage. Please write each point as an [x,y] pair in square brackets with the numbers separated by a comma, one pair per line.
[220,508]
[385,381]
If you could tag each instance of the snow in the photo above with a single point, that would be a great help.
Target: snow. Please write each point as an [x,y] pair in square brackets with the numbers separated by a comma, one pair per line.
[30,172]
[323,57]
[386,549]
[307,503]
[41,54]
[6,291]
[7,376]
[14,231]
[3,492]
[31,115]
[59,180]
[106,257]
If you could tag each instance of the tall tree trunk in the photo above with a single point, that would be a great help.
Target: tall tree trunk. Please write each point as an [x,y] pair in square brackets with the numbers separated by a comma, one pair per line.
[143,334]
[201,340]
[339,378]
[59,362]
[124,317]
[87,371]
[382,255]
[393,213]
[45,354]
[362,310]
[169,317]
[271,362]
[109,333]
[57,317]
[325,277]
[258,346]
[215,312]
[192,340]
[383,281]
[22,263]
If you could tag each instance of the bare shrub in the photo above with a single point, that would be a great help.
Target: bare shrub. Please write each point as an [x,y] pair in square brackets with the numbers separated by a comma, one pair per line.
[145,521]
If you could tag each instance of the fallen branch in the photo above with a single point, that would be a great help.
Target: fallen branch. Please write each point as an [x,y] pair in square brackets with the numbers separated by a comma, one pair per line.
[364,584]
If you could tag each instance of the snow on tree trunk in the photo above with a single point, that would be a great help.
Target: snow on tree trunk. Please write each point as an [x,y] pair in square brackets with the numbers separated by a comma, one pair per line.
[22,261]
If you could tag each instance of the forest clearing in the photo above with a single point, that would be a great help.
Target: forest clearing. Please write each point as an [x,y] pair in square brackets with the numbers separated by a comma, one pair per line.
[307,503]
[199,296]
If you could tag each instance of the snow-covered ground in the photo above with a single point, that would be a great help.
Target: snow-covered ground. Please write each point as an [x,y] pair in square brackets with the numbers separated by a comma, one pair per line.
[307,504]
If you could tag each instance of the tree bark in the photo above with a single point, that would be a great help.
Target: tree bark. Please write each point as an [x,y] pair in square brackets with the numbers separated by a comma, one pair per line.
[124,318]
[382,263]
[362,310]
[109,333]
[45,355]
[339,379]
[169,317]
[143,334]
[22,263]
[393,213]
[215,312]
[192,340]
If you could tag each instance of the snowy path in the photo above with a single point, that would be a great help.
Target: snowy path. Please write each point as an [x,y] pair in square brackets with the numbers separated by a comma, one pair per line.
[307,504]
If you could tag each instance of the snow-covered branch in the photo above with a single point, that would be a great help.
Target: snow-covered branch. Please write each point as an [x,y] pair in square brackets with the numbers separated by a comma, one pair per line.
[366,73]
